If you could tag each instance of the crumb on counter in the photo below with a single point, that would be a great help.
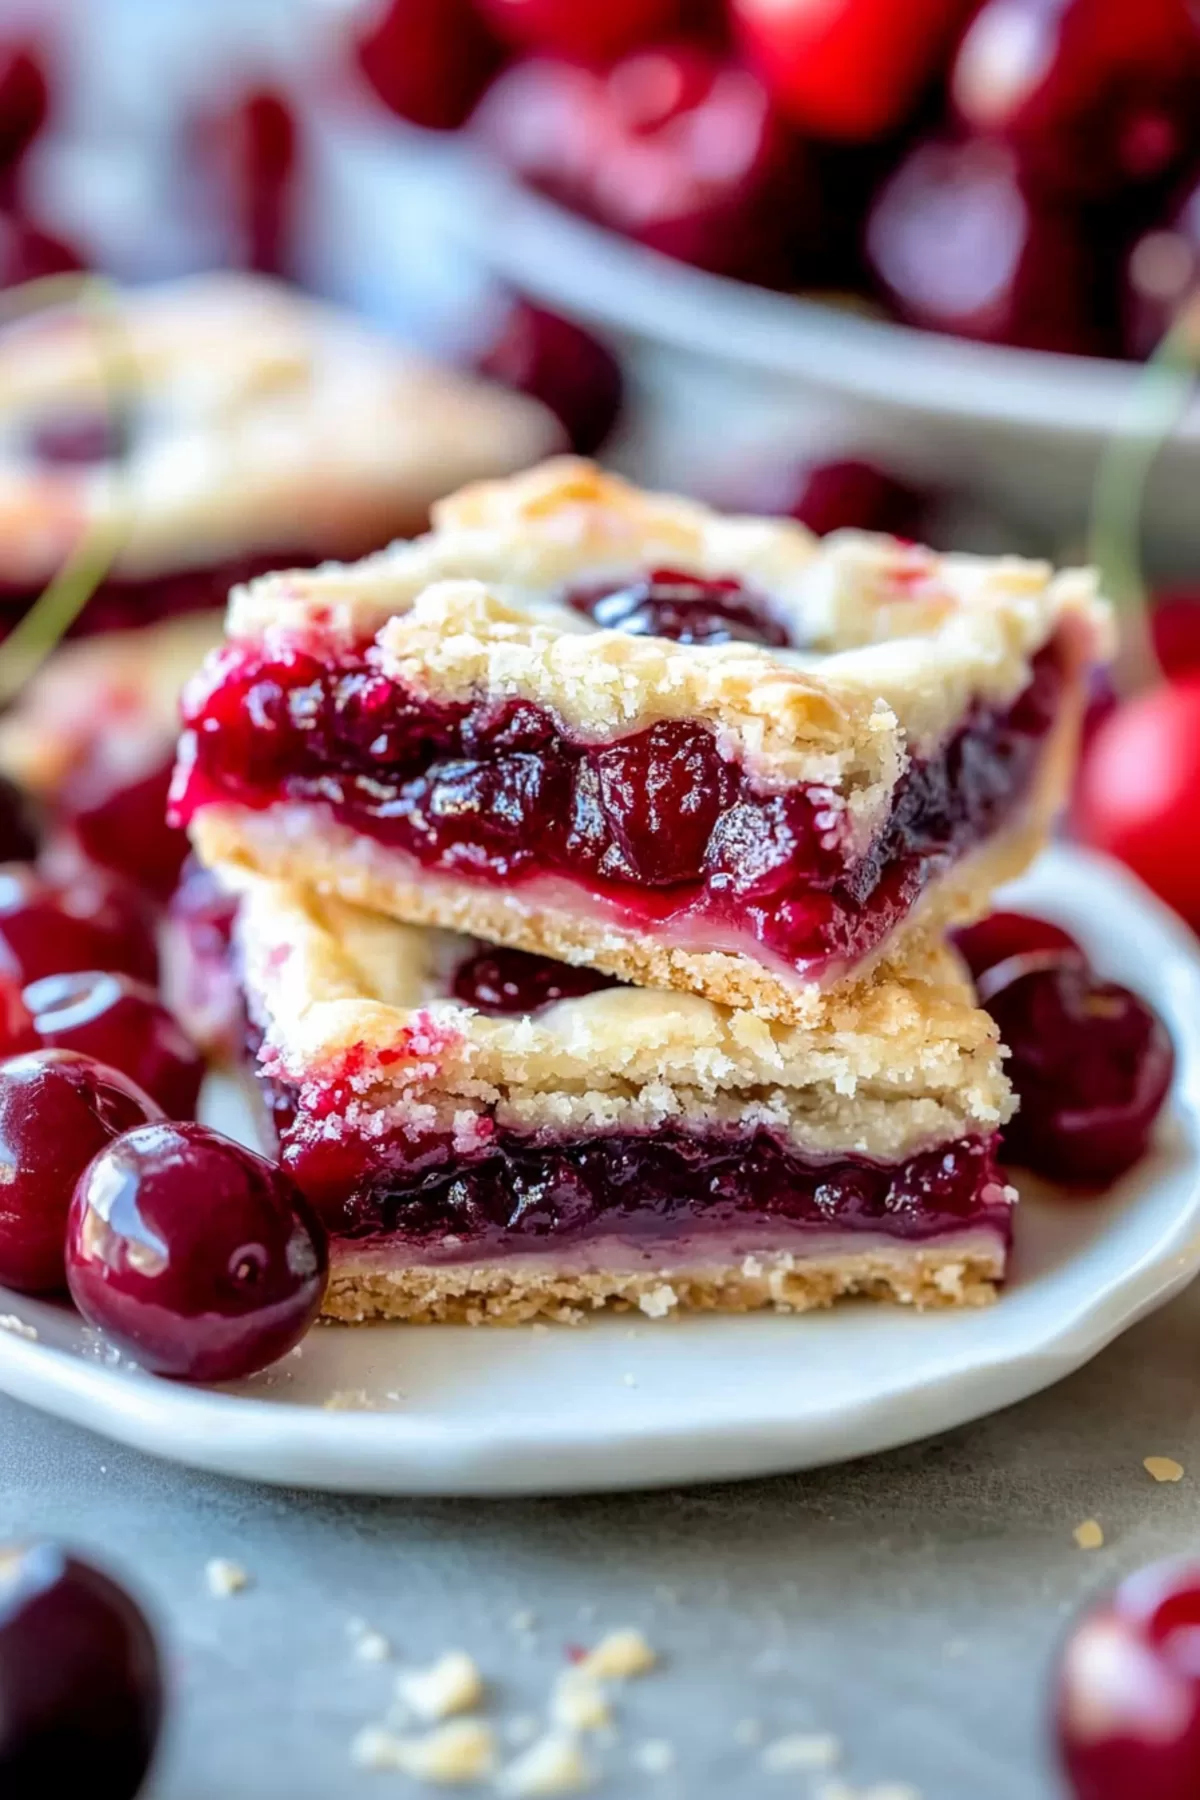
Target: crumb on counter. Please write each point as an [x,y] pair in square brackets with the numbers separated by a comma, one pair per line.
[553,1765]
[455,1755]
[578,1702]
[452,1684]
[802,1750]
[619,1656]
[1163,1468]
[224,1577]
[1089,1535]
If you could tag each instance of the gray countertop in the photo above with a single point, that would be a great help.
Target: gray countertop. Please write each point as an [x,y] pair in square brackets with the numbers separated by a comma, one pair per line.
[909,1604]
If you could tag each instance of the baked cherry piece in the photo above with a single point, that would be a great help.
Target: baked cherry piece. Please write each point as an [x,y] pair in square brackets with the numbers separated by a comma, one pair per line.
[1136,793]
[673,146]
[848,69]
[593,30]
[1162,272]
[90,921]
[513,981]
[1089,1061]
[992,941]
[200,1259]
[1127,1707]
[555,361]
[957,245]
[690,609]
[81,1690]
[24,98]
[57,1109]
[1098,97]
[116,805]
[429,60]
[122,1023]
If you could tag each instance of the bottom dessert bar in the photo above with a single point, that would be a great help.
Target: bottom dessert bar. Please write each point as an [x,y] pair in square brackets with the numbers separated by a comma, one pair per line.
[493,1137]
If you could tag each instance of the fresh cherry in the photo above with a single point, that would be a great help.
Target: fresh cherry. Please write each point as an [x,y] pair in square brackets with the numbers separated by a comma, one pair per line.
[1175,630]
[957,245]
[20,832]
[513,981]
[851,493]
[1136,794]
[89,921]
[115,802]
[673,146]
[24,98]
[593,30]
[1162,272]
[1002,935]
[81,1690]
[250,146]
[429,60]
[1097,97]
[691,609]
[57,1109]
[848,69]
[542,354]
[1127,1710]
[1090,1062]
[122,1023]
[27,253]
[200,1259]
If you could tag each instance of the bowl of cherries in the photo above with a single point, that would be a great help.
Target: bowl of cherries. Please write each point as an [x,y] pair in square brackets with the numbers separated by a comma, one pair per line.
[962,224]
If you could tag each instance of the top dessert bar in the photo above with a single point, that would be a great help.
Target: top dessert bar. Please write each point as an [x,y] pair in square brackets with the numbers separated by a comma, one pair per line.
[617,728]
[224,425]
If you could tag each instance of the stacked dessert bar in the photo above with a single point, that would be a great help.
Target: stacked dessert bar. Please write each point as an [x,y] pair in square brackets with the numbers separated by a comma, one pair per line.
[595,854]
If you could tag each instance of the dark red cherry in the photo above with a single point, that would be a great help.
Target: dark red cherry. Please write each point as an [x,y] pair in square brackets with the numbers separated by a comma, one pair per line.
[1090,1062]
[429,60]
[1127,1708]
[90,921]
[1097,97]
[27,253]
[566,368]
[24,98]
[1162,273]
[512,981]
[122,1023]
[1175,628]
[57,1109]
[691,609]
[248,147]
[115,802]
[661,794]
[20,827]
[853,494]
[197,1257]
[81,1690]
[1001,935]
[593,30]
[957,245]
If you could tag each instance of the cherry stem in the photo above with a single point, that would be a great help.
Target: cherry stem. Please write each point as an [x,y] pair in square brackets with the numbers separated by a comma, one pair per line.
[60,603]
[1158,400]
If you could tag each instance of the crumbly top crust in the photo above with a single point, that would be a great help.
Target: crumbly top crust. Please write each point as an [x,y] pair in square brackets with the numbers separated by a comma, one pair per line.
[263,420]
[898,640]
[351,998]
[122,686]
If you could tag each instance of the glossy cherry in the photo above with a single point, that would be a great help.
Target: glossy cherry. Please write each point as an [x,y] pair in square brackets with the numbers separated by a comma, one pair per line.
[87,921]
[1090,1062]
[124,1024]
[1136,794]
[848,69]
[690,609]
[673,146]
[1002,935]
[20,827]
[593,30]
[27,252]
[957,245]
[559,363]
[1098,98]
[57,1109]
[1127,1707]
[200,1259]
[81,1688]
[429,60]
[24,97]
[1162,272]
[115,802]
[512,981]
[1175,630]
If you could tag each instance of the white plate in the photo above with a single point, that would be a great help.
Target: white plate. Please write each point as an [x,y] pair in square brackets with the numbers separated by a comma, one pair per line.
[619,1404]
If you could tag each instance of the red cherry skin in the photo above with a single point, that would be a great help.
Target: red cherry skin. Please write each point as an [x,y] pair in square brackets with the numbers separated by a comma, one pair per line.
[1136,793]
[850,493]
[992,941]
[1097,97]
[1127,1706]
[57,1109]
[90,921]
[592,30]
[429,60]
[20,826]
[28,253]
[81,1679]
[118,814]
[514,981]
[848,69]
[200,1259]
[124,1024]
[1162,272]
[1175,629]
[252,144]
[1090,1063]
[24,99]
[557,362]
[957,245]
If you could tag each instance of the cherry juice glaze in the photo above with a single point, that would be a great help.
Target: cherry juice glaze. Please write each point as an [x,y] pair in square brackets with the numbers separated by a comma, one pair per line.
[656,828]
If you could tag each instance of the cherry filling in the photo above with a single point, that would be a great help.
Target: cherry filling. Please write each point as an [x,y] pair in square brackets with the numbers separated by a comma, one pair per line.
[519,1190]
[658,825]
[121,603]
[512,981]
[686,608]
